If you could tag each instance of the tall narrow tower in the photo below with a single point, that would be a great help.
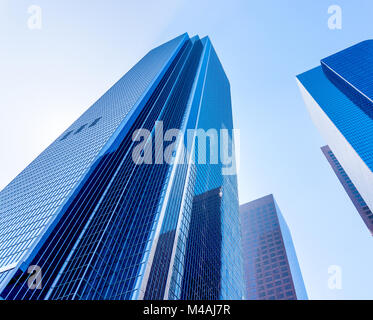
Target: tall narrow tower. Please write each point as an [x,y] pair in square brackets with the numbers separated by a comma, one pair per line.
[349,187]
[109,209]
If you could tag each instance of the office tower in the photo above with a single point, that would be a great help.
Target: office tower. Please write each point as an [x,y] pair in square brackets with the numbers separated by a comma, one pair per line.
[271,266]
[350,188]
[109,209]
[338,95]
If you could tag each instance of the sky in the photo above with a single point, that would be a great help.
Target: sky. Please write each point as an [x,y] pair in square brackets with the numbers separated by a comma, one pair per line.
[50,76]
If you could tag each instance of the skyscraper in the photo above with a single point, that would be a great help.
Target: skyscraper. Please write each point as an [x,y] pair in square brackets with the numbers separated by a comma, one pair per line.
[108,210]
[338,95]
[350,188]
[271,266]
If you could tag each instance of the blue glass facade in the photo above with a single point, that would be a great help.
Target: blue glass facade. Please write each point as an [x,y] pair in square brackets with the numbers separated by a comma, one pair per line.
[100,226]
[351,71]
[202,281]
[338,95]
[270,262]
[353,123]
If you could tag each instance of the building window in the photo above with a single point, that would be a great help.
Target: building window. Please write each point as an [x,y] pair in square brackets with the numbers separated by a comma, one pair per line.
[66,135]
[80,129]
[94,122]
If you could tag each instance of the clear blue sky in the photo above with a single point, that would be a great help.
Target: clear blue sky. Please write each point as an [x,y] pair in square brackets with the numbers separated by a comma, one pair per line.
[48,77]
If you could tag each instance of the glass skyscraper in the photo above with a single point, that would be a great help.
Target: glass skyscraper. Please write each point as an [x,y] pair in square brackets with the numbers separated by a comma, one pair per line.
[271,266]
[89,220]
[338,95]
[350,188]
